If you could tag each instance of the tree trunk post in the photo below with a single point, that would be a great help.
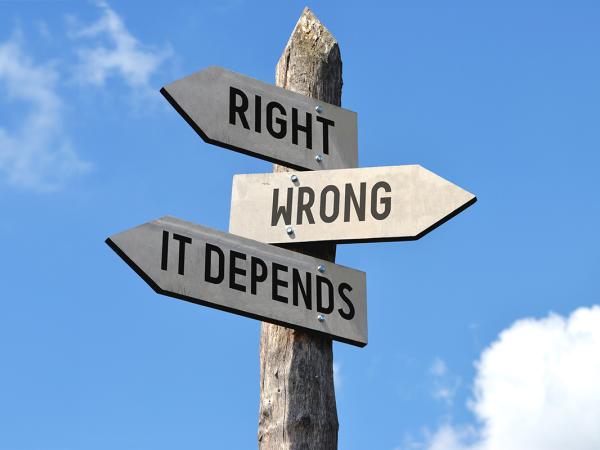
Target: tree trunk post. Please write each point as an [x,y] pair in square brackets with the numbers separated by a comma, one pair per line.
[297,396]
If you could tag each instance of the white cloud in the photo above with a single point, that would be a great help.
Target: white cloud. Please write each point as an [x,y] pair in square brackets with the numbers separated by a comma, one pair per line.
[537,388]
[445,384]
[35,153]
[114,51]
[453,438]
[438,367]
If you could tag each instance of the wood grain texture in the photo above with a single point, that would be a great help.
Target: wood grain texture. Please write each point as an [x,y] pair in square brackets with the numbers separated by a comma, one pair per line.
[297,396]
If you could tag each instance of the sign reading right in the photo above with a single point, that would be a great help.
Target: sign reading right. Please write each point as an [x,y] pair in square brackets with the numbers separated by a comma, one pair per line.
[246,115]
[350,205]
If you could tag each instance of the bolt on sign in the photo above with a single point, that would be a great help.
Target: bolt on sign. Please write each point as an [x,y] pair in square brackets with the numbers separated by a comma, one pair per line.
[246,115]
[216,269]
[350,205]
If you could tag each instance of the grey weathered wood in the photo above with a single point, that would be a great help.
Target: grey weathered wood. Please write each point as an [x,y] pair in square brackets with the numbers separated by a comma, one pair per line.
[297,396]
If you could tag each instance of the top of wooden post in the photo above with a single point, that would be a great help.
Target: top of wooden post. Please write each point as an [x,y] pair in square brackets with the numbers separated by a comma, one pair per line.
[311,63]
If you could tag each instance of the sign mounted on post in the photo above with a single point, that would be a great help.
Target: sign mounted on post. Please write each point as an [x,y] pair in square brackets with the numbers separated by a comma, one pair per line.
[352,205]
[245,277]
[246,115]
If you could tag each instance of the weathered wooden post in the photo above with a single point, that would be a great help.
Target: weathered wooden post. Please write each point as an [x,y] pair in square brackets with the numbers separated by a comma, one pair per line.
[242,271]
[297,396]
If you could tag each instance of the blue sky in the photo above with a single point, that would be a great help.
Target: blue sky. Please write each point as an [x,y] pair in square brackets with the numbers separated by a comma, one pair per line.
[485,334]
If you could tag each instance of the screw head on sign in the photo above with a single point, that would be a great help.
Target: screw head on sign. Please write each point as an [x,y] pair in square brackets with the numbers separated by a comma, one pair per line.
[318,109]
[294,178]
[318,158]
[321,318]
[289,230]
[321,268]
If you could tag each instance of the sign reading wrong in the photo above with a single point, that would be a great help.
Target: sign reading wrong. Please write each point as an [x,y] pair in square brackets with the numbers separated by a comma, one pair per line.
[351,205]
[246,115]
[227,272]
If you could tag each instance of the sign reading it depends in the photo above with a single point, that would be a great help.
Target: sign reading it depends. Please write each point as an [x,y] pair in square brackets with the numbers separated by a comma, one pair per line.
[227,272]
[246,115]
[350,205]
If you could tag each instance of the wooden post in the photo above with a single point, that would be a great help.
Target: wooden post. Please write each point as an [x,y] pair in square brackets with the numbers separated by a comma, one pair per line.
[297,396]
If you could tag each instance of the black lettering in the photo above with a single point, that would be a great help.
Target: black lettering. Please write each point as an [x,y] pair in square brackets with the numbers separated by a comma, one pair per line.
[336,203]
[326,123]
[254,276]
[257,113]
[305,289]
[304,206]
[342,288]
[182,241]
[320,307]
[234,108]
[281,122]
[385,201]
[210,249]
[234,270]
[165,251]
[277,282]
[307,129]
[282,211]
[359,206]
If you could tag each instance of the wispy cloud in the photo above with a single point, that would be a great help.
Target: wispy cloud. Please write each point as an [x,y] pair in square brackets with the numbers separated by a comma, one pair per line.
[113,51]
[438,367]
[536,388]
[35,153]
[445,384]
[35,149]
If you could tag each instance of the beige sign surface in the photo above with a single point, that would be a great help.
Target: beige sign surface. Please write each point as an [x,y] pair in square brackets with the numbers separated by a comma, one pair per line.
[348,205]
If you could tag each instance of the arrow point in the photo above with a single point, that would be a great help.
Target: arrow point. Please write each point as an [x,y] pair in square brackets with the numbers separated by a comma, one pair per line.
[116,242]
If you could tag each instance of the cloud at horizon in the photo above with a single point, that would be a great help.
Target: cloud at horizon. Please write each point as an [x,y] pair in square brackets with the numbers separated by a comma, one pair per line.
[536,388]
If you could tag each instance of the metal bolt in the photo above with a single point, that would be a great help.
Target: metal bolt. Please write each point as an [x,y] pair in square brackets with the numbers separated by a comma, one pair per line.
[318,109]
[321,318]
[294,178]
[321,268]
[289,230]
[318,158]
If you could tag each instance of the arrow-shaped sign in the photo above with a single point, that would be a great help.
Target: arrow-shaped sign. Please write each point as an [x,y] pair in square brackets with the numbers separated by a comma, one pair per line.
[245,277]
[351,205]
[246,115]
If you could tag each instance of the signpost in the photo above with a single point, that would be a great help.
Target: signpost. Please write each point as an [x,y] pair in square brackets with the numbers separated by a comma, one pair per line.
[332,203]
[352,205]
[245,277]
[246,115]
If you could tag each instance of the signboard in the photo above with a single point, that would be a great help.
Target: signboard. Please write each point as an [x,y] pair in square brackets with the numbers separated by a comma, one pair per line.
[246,115]
[351,205]
[245,277]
